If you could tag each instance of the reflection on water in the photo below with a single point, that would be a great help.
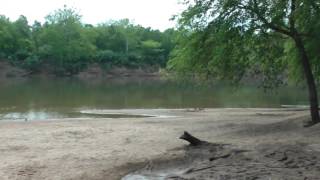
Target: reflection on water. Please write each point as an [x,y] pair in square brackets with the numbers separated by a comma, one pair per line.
[56,98]
[45,115]
[31,115]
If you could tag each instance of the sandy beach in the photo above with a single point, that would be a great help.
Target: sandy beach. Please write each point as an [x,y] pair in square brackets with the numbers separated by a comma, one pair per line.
[97,149]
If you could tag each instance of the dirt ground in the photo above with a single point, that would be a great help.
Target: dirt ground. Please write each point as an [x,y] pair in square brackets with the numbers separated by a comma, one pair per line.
[245,144]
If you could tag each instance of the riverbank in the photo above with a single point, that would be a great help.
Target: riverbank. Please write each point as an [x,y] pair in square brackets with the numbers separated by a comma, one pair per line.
[93,71]
[112,148]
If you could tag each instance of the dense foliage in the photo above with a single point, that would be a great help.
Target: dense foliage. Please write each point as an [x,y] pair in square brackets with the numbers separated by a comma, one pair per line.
[232,39]
[229,39]
[65,45]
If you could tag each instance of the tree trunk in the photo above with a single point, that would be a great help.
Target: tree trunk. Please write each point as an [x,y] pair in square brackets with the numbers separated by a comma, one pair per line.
[313,97]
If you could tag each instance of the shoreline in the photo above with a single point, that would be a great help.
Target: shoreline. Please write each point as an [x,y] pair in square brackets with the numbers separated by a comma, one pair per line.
[91,72]
[112,148]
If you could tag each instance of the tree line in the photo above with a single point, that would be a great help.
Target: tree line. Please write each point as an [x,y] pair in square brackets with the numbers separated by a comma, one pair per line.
[66,46]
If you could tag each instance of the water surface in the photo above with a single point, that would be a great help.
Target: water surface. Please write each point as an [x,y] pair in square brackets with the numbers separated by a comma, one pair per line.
[39,99]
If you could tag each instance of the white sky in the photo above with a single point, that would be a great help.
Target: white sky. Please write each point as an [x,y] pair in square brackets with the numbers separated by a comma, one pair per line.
[148,13]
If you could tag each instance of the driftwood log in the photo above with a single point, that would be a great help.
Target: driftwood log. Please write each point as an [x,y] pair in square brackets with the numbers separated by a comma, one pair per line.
[191,139]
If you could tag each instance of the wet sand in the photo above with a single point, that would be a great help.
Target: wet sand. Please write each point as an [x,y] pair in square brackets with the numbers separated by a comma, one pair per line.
[94,149]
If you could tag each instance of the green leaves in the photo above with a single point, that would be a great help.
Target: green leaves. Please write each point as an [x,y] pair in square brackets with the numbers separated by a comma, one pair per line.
[132,45]
[64,16]
[65,46]
[234,40]
[64,43]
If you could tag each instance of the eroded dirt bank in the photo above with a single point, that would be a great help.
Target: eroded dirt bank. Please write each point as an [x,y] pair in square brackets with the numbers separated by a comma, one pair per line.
[94,71]
[111,148]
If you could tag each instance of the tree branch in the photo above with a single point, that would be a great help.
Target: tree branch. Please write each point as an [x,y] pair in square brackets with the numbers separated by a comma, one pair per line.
[255,10]
[291,17]
[191,139]
[315,5]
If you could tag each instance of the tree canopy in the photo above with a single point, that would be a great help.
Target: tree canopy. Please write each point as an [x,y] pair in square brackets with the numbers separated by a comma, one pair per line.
[225,38]
[67,45]
[232,39]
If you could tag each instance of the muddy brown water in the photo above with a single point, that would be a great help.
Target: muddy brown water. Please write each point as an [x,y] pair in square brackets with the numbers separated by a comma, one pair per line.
[37,98]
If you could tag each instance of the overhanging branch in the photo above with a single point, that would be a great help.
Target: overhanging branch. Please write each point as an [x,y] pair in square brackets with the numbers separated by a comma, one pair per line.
[291,17]
[255,11]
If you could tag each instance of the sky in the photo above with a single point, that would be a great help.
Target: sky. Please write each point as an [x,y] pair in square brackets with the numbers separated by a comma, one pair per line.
[148,13]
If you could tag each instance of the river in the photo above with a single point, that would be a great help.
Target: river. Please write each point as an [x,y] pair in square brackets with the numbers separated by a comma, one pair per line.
[41,99]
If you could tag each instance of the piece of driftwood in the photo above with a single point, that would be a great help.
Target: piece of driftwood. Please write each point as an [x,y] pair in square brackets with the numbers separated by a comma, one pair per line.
[191,139]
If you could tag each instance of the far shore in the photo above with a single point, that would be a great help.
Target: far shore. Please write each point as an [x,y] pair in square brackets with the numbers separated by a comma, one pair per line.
[93,71]
[97,149]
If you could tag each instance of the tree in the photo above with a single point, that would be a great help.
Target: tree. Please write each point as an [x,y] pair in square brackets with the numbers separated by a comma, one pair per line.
[230,34]
[22,36]
[6,37]
[152,52]
[65,42]
[121,43]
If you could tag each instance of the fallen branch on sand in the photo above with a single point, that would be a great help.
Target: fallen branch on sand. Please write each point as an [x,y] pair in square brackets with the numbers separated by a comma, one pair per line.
[191,139]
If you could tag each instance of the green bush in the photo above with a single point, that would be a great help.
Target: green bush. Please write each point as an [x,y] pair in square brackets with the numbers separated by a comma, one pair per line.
[32,63]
